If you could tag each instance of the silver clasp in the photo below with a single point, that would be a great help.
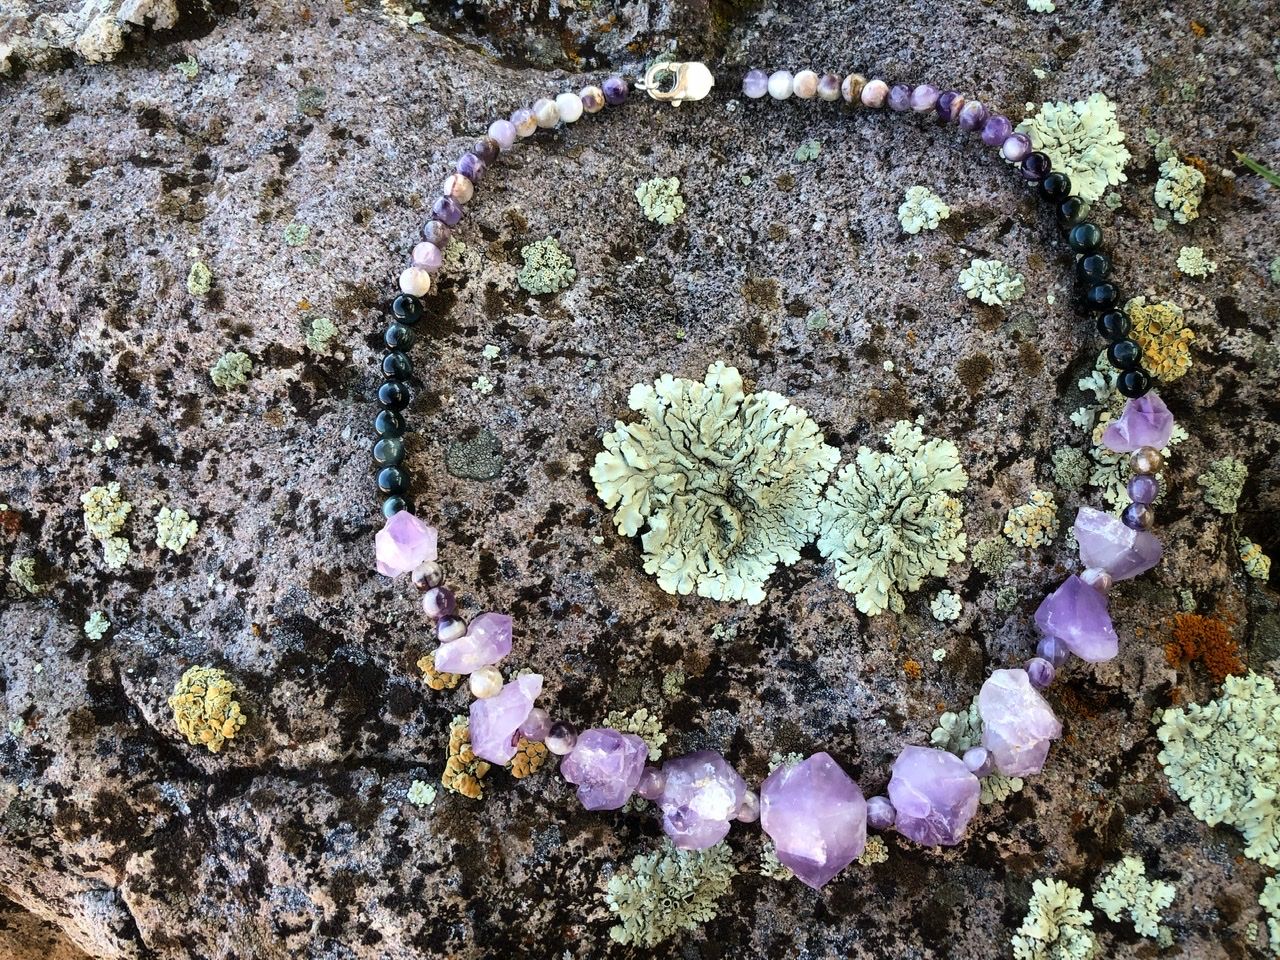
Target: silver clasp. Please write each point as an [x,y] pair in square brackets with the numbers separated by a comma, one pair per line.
[693,81]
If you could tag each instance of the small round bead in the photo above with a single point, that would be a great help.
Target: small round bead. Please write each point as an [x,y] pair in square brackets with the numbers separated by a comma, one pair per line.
[536,725]
[880,813]
[755,84]
[996,130]
[458,187]
[504,133]
[407,309]
[851,87]
[388,452]
[1144,488]
[1099,579]
[592,98]
[415,281]
[1070,212]
[545,112]
[1084,237]
[1138,516]
[1124,355]
[472,167]
[393,395]
[1053,649]
[950,105]
[615,91]
[874,94]
[899,98]
[388,423]
[1016,147]
[978,761]
[485,682]
[427,575]
[1114,324]
[1040,672]
[392,480]
[924,98]
[1133,383]
[1102,296]
[829,87]
[396,365]
[1146,460]
[525,122]
[439,602]
[433,231]
[570,107]
[427,256]
[1035,166]
[561,738]
[652,782]
[805,85]
[1093,267]
[1056,187]
[487,149]
[749,811]
[973,116]
[398,337]
[781,83]
[450,629]
[393,505]
[447,210]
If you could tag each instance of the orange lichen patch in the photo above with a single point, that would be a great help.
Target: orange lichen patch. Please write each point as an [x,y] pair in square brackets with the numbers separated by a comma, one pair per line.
[1197,28]
[1205,640]
[529,757]
[10,522]
[463,771]
[1071,702]
[433,678]
[911,669]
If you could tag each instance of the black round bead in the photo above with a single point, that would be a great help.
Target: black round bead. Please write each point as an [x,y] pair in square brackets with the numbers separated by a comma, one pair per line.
[1124,355]
[1055,187]
[396,365]
[1133,383]
[1102,296]
[1114,325]
[392,480]
[407,309]
[393,395]
[1070,212]
[1085,237]
[486,148]
[1093,268]
[388,452]
[1036,166]
[398,337]
[388,423]
[393,505]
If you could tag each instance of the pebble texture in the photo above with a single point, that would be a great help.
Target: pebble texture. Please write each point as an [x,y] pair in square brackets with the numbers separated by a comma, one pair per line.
[297,839]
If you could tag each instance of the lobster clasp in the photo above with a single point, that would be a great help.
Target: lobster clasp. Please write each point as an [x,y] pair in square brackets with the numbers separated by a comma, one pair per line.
[677,82]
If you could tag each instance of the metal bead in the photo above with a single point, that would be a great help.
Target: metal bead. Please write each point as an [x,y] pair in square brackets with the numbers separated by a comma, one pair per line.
[1146,460]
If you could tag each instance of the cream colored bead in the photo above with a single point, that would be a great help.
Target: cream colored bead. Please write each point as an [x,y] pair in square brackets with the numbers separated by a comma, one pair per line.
[458,187]
[874,94]
[545,112]
[525,122]
[569,106]
[415,281]
[592,98]
[485,683]
[805,85]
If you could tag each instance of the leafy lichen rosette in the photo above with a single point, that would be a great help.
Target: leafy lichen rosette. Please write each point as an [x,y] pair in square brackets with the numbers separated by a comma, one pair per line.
[726,482]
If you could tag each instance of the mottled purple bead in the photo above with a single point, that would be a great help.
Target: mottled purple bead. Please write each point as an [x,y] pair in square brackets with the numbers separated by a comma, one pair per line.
[972,116]
[447,210]
[433,231]
[1040,672]
[900,98]
[924,98]
[427,256]
[949,105]
[525,123]
[1144,488]
[829,87]
[615,91]
[438,603]
[1053,650]
[1138,516]
[487,149]
[561,738]
[755,84]
[1101,580]
[978,761]
[996,130]
[880,813]
[1015,148]
[651,783]
[472,167]
[1035,166]
[503,133]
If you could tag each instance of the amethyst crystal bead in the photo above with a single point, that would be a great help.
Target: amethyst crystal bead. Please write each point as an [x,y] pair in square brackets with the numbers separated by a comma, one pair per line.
[433,231]
[1017,724]
[1138,516]
[749,812]
[605,765]
[900,98]
[1053,650]
[403,542]
[880,813]
[447,210]
[495,721]
[615,91]
[924,98]
[427,256]
[449,629]
[536,725]
[816,817]
[996,130]
[701,797]
[755,84]
[651,783]
[1144,488]
[1077,615]
[487,640]
[1040,671]
[829,87]
[1107,544]
[1015,148]
[979,762]
[561,738]
[973,115]
[934,794]
[1145,422]
[1035,167]
[472,167]
[949,105]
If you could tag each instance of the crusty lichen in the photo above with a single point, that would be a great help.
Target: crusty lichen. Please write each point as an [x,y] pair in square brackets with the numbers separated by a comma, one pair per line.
[922,210]
[1180,189]
[644,724]
[726,481]
[1069,468]
[1161,330]
[888,520]
[1223,482]
[660,199]
[1034,523]
[1256,563]
[1269,900]
[230,370]
[956,733]
[991,282]
[421,794]
[993,555]
[199,279]
[174,529]
[22,571]
[1124,888]
[320,332]
[668,892]
[204,707]
[105,513]
[434,678]
[529,758]
[1084,141]
[1055,928]
[463,770]
[875,851]
[770,865]
[547,268]
[1193,262]
[96,627]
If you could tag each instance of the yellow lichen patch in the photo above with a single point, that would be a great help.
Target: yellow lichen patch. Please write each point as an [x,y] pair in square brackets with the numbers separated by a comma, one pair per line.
[464,770]
[529,757]
[1164,336]
[434,679]
[204,708]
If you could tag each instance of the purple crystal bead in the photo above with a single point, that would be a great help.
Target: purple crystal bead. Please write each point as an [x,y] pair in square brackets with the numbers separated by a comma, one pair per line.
[435,232]
[996,130]
[487,149]
[972,116]
[403,542]
[924,98]
[700,799]
[1015,148]
[755,84]
[1077,615]
[472,167]
[606,766]
[439,602]
[1017,724]
[949,105]
[1138,516]
[816,816]
[900,98]
[880,813]
[1053,650]
[1144,488]
[979,762]
[1041,672]
[651,783]
[1145,422]
[447,210]
[934,794]
[536,725]
[487,640]
[1107,544]
[495,721]
[615,91]
[427,256]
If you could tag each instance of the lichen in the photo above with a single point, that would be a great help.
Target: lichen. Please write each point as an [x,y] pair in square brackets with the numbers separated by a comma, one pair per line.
[295,234]
[1084,141]
[421,794]
[673,682]
[922,210]
[1035,523]
[808,151]
[435,679]
[1223,482]
[945,607]
[1273,270]
[668,892]
[996,788]
[991,282]
[1256,563]
[547,268]
[957,732]
[726,481]
[1069,467]
[204,708]
[1223,759]
[1180,189]
[1055,928]
[770,865]
[96,627]
[1160,328]
[1124,888]
[875,851]
[189,68]
[1269,900]
[888,520]
[1041,6]
[321,331]
[1193,262]
[482,385]
[174,529]
[529,757]
[644,724]
[993,555]
[232,369]
[199,279]
[463,770]
[660,200]
[22,571]
[1206,640]
[105,512]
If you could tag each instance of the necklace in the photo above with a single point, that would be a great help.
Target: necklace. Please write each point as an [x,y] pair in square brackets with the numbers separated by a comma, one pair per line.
[815,814]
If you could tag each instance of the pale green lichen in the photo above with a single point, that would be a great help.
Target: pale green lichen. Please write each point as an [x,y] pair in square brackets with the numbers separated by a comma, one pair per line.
[230,370]
[1125,889]
[199,279]
[660,200]
[105,512]
[1193,262]
[189,68]
[1180,189]
[1256,563]
[668,892]
[993,555]
[644,724]
[996,788]
[1084,141]
[726,481]
[1041,6]
[96,627]
[875,851]
[1069,468]
[1269,900]
[22,571]
[547,268]
[991,282]
[321,331]
[421,794]
[174,529]
[1055,928]
[491,351]
[770,865]
[888,520]
[673,682]
[295,234]
[1035,523]
[1223,759]
[945,606]
[483,385]
[922,210]
[1273,270]
[808,151]
[1223,482]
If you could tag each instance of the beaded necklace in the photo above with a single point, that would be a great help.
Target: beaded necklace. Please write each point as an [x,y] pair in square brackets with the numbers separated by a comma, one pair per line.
[815,814]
